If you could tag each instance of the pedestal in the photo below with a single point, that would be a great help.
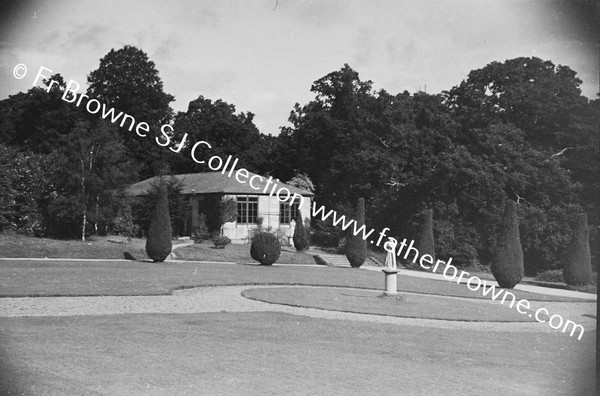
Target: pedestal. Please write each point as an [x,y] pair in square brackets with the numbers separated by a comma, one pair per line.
[391,281]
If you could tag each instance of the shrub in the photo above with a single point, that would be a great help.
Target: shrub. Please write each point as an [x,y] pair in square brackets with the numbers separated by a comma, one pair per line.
[179,208]
[507,260]
[300,237]
[201,232]
[158,244]
[324,239]
[356,246]
[265,248]
[550,276]
[425,242]
[578,265]
[221,241]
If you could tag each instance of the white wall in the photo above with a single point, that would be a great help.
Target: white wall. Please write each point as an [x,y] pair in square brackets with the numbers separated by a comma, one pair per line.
[268,209]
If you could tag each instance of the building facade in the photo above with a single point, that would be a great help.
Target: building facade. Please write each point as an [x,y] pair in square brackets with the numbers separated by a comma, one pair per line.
[263,201]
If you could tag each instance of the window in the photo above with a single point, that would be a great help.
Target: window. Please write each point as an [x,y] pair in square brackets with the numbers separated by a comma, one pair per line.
[288,212]
[247,208]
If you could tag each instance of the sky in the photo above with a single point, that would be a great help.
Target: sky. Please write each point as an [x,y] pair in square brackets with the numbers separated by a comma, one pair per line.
[263,55]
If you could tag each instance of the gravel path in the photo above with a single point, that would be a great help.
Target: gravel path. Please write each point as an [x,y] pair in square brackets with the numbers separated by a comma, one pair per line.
[229,299]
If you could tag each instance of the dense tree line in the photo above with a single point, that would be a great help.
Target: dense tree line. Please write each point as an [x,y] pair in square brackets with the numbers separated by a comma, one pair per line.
[518,130]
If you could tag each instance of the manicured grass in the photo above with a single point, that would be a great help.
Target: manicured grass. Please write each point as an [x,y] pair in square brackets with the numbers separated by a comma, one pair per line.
[276,354]
[371,302]
[237,253]
[19,246]
[15,246]
[80,278]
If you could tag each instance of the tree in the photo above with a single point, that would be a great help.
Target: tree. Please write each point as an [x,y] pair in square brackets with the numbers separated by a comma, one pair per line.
[300,236]
[38,121]
[578,264]
[158,244]
[507,263]
[301,180]
[90,173]
[356,247]
[23,183]
[227,212]
[425,239]
[534,95]
[179,207]
[128,81]
[228,133]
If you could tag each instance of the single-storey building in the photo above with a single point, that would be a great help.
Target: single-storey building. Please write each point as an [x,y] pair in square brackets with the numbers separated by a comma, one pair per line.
[256,196]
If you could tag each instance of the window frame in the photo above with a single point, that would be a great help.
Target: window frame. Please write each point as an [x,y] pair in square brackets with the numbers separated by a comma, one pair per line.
[247,208]
[285,211]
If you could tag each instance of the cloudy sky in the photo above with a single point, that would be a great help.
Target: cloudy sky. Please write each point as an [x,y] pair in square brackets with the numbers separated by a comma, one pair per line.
[262,56]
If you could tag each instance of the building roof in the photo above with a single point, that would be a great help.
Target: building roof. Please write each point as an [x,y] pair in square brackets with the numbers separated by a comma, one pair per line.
[218,183]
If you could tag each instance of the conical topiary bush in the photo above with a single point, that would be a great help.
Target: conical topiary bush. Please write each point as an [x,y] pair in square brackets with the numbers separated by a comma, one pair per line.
[158,244]
[300,237]
[356,246]
[507,260]
[425,241]
[578,265]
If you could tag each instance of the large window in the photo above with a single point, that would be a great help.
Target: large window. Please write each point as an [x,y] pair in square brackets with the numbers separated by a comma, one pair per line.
[247,208]
[288,212]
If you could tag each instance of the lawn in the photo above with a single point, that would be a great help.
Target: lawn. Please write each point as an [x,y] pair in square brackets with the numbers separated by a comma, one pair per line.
[276,354]
[15,245]
[237,253]
[114,278]
[371,302]
[265,352]
[19,246]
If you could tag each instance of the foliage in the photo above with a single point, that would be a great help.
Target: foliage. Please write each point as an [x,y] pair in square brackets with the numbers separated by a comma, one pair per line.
[555,276]
[201,232]
[38,121]
[300,236]
[227,211]
[356,246]
[221,241]
[23,183]
[158,244]
[324,239]
[301,180]
[578,265]
[425,242]
[265,248]
[228,133]
[128,81]
[123,223]
[458,153]
[179,207]
[507,262]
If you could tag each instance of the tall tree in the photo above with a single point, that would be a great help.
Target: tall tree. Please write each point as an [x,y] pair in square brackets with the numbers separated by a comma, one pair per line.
[90,172]
[129,81]
[228,133]
[38,120]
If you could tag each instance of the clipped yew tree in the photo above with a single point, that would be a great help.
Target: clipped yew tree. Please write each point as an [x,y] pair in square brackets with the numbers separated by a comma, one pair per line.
[425,240]
[578,264]
[265,248]
[356,246]
[158,244]
[300,236]
[507,260]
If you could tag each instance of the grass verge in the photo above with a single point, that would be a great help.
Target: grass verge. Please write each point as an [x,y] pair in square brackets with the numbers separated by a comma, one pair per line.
[371,302]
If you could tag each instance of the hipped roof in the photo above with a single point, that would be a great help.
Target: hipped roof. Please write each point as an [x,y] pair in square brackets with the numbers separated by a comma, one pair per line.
[218,183]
